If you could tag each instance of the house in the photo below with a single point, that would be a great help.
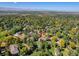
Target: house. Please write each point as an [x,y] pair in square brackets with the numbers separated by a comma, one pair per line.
[19,35]
[14,49]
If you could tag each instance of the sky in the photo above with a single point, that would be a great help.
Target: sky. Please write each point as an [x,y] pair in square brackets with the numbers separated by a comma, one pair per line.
[53,6]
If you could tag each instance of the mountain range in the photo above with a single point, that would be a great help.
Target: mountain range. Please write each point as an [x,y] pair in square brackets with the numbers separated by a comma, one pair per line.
[5,10]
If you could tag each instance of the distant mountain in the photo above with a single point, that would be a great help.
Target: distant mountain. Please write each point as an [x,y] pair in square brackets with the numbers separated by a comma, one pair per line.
[11,10]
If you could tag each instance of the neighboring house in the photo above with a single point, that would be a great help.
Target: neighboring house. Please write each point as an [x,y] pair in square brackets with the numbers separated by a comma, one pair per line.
[20,35]
[14,49]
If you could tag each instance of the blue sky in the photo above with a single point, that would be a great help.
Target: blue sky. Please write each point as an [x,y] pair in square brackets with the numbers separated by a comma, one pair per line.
[54,6]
